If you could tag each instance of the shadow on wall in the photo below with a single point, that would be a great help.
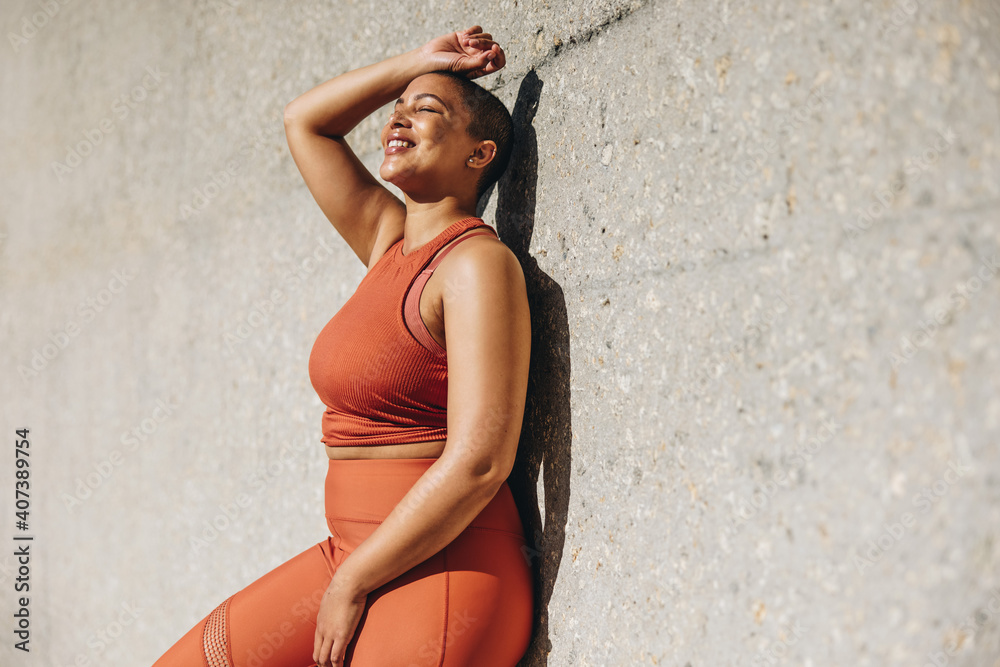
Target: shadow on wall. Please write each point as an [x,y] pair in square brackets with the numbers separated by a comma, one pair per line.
[546,435]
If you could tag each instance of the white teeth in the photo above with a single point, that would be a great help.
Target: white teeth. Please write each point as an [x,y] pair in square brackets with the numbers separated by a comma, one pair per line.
[400,142]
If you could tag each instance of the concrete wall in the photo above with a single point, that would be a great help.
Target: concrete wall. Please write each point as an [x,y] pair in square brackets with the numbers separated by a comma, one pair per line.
[760,242]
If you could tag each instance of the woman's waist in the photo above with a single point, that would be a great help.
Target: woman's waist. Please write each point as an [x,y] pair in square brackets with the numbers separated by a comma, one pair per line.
[408,450]
[368,490]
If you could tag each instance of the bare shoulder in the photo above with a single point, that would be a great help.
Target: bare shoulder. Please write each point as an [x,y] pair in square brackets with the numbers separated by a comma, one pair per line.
[485,263]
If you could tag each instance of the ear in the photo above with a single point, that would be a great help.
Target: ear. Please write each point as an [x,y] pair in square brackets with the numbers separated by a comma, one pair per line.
[483,154]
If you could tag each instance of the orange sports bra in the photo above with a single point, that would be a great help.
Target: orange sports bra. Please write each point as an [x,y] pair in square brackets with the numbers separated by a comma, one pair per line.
[381,375]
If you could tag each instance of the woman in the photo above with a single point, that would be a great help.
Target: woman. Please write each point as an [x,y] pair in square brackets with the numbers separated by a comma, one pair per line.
[424,374]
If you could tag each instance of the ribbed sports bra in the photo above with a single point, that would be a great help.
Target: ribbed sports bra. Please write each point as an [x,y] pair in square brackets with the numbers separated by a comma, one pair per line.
[381,375]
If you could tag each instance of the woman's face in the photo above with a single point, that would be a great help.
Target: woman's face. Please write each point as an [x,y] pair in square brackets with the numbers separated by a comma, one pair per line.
[430,119]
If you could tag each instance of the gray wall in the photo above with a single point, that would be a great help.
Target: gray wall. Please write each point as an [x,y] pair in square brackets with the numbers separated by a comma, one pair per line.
[751,234]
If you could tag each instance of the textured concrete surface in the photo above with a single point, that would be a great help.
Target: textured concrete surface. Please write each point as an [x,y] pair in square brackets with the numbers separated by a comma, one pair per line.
[761,245]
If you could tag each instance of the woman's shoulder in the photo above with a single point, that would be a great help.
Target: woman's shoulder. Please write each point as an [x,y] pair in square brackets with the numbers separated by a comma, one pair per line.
[481,258]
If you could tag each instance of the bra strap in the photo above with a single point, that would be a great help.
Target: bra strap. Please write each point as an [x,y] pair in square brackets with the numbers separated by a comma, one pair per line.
[411,308]
[437,260]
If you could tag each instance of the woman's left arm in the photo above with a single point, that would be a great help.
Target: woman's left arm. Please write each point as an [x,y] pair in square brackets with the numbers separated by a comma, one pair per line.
[488,338]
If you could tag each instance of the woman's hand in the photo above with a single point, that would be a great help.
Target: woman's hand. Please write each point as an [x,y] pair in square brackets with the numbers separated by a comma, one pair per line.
[339,612]
[471,52]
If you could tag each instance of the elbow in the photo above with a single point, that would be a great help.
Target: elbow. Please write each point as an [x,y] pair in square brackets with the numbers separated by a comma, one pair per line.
[491,482]
[494,477]
[295,116]
[297,113]
[289,114]
[484,473]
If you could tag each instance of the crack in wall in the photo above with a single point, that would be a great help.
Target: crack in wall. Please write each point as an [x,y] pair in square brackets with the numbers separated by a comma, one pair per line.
[561,45]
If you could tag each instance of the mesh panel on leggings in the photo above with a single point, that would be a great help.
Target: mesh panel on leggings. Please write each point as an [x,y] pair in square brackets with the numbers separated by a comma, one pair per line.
[216,637]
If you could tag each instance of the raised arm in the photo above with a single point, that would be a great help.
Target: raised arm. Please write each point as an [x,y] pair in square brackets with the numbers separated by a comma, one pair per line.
[317,121]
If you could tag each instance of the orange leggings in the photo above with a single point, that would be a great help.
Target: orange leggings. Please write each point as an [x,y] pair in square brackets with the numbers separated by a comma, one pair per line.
[469,604]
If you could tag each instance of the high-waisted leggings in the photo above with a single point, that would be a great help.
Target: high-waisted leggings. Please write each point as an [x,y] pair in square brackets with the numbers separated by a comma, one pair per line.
[471,603]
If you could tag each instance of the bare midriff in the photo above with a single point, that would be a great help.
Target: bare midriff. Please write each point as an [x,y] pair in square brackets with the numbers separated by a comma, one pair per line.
[410,450]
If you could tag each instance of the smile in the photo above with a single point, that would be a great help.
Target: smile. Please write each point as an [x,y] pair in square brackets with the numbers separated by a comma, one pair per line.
[398,146]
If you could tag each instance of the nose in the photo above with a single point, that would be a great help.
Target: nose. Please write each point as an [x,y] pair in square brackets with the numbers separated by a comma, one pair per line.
[398,119]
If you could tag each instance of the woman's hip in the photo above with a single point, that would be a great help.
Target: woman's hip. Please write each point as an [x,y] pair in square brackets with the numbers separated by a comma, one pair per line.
[361,493]
[470,603]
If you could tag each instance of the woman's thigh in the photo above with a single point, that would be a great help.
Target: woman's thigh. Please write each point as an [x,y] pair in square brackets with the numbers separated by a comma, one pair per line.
[271,622]
[490,600]
[469,604]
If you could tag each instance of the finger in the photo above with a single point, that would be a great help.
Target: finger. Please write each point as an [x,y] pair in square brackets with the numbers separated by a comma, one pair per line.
[494,55]
[501,58]
[324,653]
[317,645]
[488,61]
[481,59]
[479,43]
[487,65]
[485,68]
[486,54]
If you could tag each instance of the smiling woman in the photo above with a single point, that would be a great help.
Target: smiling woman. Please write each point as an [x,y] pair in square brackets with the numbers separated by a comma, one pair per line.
[423,373]
[485,119]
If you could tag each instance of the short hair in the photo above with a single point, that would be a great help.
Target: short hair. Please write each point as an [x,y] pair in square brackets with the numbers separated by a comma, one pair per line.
[488,119]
